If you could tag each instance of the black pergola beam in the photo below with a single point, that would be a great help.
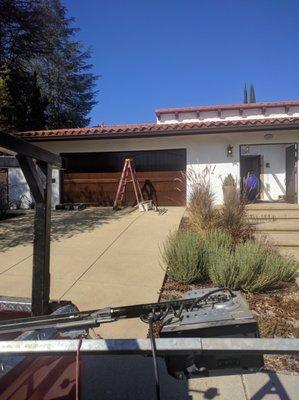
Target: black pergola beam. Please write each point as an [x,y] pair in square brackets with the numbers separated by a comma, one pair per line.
[20,146]
[33,179]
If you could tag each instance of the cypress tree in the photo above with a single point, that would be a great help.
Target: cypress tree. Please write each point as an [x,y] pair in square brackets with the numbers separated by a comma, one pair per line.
[245,96]
[252,94]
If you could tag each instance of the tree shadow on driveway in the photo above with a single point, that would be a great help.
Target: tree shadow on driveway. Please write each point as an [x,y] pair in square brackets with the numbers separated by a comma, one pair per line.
[65,224]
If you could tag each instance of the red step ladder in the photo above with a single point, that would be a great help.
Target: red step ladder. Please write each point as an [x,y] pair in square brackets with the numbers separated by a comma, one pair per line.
[128,169]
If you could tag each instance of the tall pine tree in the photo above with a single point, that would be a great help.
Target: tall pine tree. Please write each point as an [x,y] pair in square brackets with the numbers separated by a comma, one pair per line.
[21,104]
[50,69]
[64,73]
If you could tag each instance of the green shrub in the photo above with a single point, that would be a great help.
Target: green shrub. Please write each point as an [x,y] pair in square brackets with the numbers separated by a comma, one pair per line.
[275,270]
[214,242]
[217,245]
[251,267]
[182,255]
[216,238]
[249,259]
[220,267]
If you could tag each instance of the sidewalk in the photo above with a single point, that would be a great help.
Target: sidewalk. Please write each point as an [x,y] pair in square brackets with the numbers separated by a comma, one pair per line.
[132,378]
[257,386]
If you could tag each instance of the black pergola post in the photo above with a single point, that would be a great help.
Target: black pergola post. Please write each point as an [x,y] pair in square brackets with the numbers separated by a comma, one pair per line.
[31,157]
[41,250]
[41,190]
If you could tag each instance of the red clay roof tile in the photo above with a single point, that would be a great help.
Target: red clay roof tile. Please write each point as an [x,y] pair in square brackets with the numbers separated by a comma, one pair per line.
[159,129]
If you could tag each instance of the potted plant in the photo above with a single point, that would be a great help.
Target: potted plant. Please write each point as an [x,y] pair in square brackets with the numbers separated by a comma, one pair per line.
[229,187]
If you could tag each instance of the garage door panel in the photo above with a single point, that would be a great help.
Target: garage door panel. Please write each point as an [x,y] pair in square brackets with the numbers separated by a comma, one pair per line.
[156,160]
[168,187]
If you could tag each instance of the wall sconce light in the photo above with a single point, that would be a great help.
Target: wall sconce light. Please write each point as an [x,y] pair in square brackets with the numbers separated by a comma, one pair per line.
[247,150]
[229,150]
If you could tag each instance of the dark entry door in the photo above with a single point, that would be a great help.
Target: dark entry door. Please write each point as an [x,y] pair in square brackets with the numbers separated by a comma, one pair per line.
[291,174]
[250,164]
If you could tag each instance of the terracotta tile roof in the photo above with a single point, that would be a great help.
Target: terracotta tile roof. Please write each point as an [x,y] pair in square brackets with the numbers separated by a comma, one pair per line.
[238,106]
[153,129]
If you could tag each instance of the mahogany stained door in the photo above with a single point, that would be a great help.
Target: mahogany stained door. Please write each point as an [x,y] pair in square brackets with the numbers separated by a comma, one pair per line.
[92,178]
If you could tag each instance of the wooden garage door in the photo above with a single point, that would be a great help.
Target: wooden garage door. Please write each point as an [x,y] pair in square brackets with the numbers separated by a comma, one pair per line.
[92,178]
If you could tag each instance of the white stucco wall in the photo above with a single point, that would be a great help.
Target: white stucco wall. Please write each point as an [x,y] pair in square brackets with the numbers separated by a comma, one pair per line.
[202,150]
[55,187]
[19,193]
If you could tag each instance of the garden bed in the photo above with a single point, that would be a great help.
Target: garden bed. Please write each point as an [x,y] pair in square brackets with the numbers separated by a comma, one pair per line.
[216,247]
[275,311]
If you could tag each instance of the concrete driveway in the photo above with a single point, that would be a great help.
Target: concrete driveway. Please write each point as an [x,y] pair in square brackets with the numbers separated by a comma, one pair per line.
[98,258]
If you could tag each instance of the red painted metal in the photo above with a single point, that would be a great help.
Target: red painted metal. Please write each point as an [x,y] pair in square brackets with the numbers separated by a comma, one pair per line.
[128,170]
[41,378]
[11,314]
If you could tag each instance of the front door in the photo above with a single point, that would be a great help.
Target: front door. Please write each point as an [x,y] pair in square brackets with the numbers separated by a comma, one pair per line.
[291,174]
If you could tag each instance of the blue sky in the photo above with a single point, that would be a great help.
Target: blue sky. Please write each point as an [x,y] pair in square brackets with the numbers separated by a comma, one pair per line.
[176,53]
